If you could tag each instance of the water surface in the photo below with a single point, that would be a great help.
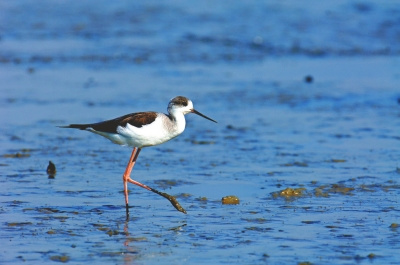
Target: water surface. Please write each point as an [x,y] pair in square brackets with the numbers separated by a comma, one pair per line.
[335,137]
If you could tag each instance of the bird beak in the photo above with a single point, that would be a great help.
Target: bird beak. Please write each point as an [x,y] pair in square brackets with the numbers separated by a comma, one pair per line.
[202,115]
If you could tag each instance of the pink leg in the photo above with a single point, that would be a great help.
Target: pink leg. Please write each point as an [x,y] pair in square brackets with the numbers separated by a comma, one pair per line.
[126,177]
[128,171]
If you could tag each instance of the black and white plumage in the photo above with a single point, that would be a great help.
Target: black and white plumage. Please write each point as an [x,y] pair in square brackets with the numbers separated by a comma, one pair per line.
[143,129]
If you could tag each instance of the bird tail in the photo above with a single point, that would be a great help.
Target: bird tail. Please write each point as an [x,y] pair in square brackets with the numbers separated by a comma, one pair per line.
[76,126]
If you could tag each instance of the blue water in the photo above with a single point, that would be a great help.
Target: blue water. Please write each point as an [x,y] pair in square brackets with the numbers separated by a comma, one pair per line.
[243,64]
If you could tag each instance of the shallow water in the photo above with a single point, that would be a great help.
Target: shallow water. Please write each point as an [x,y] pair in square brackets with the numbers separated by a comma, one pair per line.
[335,139]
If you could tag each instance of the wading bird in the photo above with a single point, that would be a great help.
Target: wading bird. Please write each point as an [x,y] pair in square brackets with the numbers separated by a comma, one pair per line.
[143,129]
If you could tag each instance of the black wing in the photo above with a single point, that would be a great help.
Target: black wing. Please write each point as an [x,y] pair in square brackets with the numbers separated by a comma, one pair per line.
[138,120]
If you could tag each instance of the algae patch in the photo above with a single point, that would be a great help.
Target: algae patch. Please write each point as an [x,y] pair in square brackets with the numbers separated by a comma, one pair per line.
[17,224]
[290,193]
[60,258]
[232,199]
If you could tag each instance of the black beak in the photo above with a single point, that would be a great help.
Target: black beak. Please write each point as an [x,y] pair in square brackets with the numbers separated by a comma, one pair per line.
[202,115]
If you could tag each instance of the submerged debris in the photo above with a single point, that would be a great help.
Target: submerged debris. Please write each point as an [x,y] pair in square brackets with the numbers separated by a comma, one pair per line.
[338,188]
[333,160]
[325,190]
[308,79]
[202,200]
[24,152]
[60,258]
[202,142]
[296,164]
[319,192]
[304,263]
[331,189]
[16,155]
[232,199]
[112,232]
[18,223]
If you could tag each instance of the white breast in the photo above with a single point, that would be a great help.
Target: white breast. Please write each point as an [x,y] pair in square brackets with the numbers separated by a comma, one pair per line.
[161,130]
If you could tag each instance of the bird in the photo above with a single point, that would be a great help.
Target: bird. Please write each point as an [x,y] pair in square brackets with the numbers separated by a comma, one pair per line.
[144,129]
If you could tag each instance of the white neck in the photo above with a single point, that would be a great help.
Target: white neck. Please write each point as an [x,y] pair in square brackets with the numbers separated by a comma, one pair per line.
[178,120]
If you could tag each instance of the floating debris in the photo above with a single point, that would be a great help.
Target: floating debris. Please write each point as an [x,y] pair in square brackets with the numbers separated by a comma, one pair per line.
[232,199]
[51,170]
[289,193]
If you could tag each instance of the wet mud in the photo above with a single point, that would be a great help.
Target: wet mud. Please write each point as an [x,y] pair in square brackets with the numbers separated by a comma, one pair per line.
[305,154]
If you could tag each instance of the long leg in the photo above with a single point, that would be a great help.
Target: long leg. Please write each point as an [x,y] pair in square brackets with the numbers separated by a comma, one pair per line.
[127,173]
[126,178]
